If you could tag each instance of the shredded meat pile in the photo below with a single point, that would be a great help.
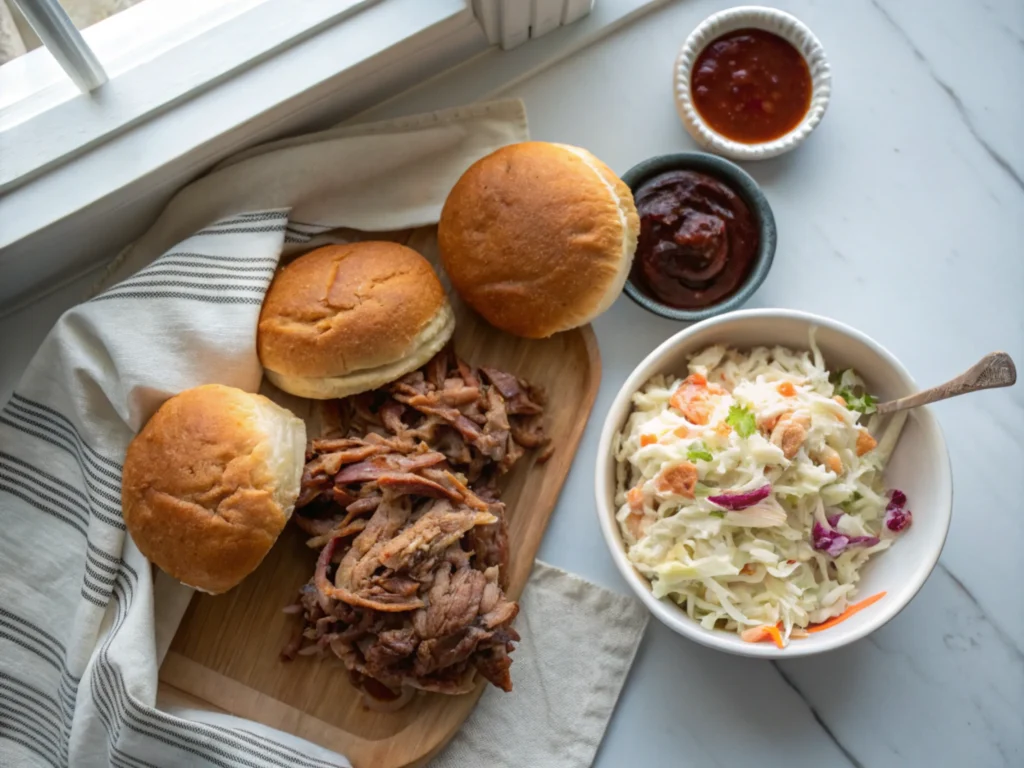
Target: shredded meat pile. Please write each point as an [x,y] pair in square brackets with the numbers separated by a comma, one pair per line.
[408,588]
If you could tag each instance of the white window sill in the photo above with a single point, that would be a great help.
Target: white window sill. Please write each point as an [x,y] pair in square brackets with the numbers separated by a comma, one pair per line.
[35,82]
[63,223]
[106,196]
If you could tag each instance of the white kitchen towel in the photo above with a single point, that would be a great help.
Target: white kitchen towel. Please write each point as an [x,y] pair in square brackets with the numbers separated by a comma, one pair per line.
[562,698]
[84,622]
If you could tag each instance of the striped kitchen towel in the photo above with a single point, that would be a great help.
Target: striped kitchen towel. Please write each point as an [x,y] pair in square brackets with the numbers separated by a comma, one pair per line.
[84,623]
[78,623]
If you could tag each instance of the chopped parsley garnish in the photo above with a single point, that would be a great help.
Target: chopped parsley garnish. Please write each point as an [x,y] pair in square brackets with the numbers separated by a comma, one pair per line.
[699,451]
[845,384]
[742,420]
[863,403]
[716,513]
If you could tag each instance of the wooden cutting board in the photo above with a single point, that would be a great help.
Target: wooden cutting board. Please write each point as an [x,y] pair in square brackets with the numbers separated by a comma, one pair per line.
[226,650]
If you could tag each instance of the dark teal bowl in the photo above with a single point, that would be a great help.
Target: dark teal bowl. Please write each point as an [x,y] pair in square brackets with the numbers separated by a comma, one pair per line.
[748,189]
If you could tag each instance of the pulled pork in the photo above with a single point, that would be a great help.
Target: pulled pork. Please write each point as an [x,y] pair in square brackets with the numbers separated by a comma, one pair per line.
[402,501]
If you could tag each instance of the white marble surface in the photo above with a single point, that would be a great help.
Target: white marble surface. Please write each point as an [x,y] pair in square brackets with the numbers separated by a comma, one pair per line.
[902,215]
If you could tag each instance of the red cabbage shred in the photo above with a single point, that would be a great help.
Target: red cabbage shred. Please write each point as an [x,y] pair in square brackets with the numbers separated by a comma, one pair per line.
[897,516]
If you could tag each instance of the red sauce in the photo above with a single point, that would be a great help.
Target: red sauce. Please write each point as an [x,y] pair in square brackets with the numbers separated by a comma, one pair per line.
[751,86]
[697,239]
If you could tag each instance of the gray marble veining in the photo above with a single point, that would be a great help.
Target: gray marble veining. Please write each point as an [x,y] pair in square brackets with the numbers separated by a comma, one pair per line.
[904,216]
[978,128]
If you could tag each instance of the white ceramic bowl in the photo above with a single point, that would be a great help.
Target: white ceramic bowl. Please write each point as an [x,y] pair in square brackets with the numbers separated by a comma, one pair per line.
[772,20]
[919,467]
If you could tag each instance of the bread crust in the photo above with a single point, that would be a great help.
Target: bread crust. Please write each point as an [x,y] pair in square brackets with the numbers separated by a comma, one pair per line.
[538,238]
[209,483]
[342,309]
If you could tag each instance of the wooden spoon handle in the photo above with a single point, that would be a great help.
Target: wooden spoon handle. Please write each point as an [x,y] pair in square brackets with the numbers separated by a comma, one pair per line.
[995,369]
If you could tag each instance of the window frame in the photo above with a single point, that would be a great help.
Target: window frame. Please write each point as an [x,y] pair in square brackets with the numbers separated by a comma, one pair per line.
[47,134]
[75,213]
[34,81]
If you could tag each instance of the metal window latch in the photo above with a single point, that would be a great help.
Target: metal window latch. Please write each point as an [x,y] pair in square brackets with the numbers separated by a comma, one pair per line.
[58,33]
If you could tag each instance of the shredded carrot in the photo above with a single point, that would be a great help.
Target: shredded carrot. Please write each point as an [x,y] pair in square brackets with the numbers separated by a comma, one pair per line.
[690,399]
[786,389]
[840,399]
[723,429]
[840,418]
[754,634]
[681,432]
[680,479]
[855,608]
[646,440]
[762,633]
[635,497]
[678,401]
[748,569]
[865,442]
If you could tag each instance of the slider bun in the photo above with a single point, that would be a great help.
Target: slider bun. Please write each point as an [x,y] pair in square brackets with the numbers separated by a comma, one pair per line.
[209,483]
[350,318]
[538,238]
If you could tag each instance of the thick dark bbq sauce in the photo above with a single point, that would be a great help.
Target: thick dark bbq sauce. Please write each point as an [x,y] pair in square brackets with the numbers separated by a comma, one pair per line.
[697,239]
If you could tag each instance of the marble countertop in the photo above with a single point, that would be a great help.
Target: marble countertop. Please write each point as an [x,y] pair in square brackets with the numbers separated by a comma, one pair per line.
[903,215]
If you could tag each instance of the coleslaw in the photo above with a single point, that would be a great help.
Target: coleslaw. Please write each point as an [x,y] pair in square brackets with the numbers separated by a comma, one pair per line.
[750,493]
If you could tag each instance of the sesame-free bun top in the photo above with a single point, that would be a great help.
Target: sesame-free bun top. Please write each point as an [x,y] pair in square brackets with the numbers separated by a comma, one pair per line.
[209,483]
[349,318]
[538,238]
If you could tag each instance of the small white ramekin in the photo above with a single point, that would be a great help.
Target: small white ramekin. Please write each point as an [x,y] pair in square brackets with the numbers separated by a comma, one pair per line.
[770,20]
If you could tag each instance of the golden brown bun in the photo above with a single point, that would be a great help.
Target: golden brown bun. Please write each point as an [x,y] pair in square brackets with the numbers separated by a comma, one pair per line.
[209,483]
[349,318]
[538,238]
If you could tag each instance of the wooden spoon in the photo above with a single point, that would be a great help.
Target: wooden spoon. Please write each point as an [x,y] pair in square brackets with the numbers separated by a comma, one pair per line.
[995,369]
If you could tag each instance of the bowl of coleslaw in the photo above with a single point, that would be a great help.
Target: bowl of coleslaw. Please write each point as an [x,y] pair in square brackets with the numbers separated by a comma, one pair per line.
[753,499]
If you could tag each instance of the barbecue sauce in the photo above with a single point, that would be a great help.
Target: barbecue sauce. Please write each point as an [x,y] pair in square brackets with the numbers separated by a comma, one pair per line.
[697,240]
[751,86]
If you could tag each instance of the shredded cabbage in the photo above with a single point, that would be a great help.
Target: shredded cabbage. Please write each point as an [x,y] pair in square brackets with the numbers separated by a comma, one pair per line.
[789,558]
